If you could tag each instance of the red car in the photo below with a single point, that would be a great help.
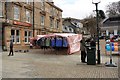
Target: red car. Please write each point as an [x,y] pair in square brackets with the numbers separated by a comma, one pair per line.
[114,38]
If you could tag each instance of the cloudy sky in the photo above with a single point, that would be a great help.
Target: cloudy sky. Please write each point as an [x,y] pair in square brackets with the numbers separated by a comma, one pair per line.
[80,8]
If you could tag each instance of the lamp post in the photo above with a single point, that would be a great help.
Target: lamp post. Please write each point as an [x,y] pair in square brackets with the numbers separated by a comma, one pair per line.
[98,51]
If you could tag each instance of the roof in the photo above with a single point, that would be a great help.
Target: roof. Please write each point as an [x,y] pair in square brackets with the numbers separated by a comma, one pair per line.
[50,3]
[111,21]
[116,18]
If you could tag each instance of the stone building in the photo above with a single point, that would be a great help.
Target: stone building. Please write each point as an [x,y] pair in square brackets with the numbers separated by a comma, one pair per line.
[17,21]
[111,26]
[72,25]
[48,18]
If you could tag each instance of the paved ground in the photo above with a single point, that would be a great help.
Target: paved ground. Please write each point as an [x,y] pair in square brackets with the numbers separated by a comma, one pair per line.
[36,64]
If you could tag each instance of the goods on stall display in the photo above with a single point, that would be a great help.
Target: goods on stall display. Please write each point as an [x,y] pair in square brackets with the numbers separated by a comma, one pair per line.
[48,42]
[58,42]
[52,42]
[68,41]
[65,43]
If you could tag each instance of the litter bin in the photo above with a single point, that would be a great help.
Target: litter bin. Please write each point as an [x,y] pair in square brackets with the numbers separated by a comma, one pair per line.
[91,56]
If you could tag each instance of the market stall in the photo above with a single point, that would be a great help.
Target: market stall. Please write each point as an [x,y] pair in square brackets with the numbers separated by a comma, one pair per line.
[57,41]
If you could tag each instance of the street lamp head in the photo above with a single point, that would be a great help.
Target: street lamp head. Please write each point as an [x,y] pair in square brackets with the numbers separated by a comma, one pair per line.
[96,1]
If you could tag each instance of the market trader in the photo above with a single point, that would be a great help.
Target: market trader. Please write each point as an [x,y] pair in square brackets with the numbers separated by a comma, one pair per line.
[83,50]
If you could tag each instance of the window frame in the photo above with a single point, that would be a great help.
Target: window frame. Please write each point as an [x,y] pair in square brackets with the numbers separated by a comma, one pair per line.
[16,13]
[15,36]
[28,2]
[51,23]
[28,18]
[42,4]
[27,37]
[42,19]
[1,9]
[57,24]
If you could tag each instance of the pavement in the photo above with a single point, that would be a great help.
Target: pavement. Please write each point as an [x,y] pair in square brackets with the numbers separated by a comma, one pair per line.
[36,64]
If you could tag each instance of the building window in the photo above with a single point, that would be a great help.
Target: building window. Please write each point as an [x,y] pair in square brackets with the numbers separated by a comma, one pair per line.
[57,24]
[57,13]
[118,32]
[60,14]
[27,35]
[42,4]
[27,16]
[28,1]
[51,23]
[65,28]
[42,20]
[1,14]
[16,13]
[70,29]
[52,11]
[15,36]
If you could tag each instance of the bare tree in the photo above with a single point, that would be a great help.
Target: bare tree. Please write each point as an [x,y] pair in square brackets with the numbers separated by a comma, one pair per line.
[90,24]
[113,9]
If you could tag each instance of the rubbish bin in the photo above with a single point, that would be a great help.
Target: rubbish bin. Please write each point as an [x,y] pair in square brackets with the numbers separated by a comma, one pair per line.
[91,56]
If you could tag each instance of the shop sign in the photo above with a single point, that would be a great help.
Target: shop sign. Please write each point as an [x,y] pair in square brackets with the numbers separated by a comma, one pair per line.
[22,23]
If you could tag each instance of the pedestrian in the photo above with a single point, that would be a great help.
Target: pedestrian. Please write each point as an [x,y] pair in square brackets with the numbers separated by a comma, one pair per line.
[83,50]
[11,48]
[92,43]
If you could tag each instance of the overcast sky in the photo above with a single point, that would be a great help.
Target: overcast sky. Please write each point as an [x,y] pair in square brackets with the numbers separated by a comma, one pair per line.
[80,8]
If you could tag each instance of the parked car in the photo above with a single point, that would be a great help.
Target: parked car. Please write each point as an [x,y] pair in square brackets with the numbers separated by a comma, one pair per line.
[114,38]
[101,37]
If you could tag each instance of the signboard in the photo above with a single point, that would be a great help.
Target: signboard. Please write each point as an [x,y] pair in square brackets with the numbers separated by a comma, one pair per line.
[22,23]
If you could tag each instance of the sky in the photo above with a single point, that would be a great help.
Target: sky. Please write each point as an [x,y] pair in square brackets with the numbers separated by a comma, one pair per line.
[80,8]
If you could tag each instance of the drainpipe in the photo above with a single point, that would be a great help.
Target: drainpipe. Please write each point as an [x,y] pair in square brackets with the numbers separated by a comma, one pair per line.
[33,19]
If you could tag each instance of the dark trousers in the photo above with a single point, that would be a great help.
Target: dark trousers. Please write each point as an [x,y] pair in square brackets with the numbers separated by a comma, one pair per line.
[83,56]
[11,51]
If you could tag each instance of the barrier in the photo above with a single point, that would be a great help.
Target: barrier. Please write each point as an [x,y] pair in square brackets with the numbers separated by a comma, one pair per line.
[116,48]
[116,44]
[113,47]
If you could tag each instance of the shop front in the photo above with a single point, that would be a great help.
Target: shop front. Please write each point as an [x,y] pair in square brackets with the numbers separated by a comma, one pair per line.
[19,33]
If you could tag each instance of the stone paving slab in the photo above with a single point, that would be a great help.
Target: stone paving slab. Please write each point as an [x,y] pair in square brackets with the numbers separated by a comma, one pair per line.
[36,64]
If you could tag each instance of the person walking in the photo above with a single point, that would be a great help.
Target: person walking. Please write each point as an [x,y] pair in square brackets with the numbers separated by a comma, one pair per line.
[11,48]
[83,51]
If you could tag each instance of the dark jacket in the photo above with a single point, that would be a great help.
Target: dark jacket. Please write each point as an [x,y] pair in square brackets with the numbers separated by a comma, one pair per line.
[82,45]
[92,43]
[11,44]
